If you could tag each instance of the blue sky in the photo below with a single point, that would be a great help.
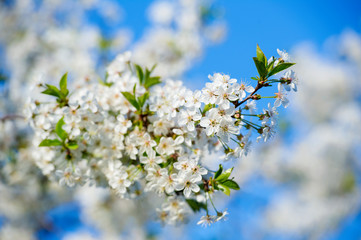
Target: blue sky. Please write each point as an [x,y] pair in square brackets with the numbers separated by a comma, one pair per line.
[272,24]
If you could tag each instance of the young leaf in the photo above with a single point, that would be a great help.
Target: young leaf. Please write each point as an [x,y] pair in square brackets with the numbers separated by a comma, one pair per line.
[72,145]
[224,176]
[52,90]
[260,68]
[196,206]
[140,73]
[147,74]
[260,56]
[270,65]
[219,171]
[131,98]
[153,67]
[231,184]
[50,142]
[280,67]
[224,189]
[59,129]
[63,85]
[143,98]
[207,108]
[151,82]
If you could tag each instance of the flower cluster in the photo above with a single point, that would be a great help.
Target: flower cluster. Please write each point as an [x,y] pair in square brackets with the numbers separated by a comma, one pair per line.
[134,133]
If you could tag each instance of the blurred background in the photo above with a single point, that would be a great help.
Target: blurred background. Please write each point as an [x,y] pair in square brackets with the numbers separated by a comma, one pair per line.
[303,184]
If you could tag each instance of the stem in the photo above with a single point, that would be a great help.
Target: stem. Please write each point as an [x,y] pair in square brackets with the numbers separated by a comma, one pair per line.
[210,199]
[252,115]
[258,87]
[235,141]
[250,123]
[207,205]
[225,146]
[11,117]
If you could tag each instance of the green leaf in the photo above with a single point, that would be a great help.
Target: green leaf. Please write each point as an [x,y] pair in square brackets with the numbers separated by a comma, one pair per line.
[207,108]
[154,66]
[143,98]
[72,144]
[224,189]
[224,176]
[63,85]
[262,71]
[280,67]
[105,43]
[196,206]
[140,73]
[50,142]
[52,90]
[231,184]
[260,56]
[152,81]
[254,78]
[134,88]
[270,65]
[147,74]
[131,98]
[219,171]
[59,129]
[105,83]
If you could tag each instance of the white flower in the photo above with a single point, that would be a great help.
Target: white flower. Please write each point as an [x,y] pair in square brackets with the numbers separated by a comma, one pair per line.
[146,144]
[251,106]
[281,98]
[208,94]
[267,133]
[221,80]
[151,160]
[161,127]
[168,182]
[130,148]
[291,81]
[88,101]
[270,115]
[211,121]
[165,146]
[283,56]
[193,100]
[227,114]
[221,215]
[187,184]
[71,113]
[196,170]
[123,124]
[183,164]
[241,89]
[206,220]
[119,182]
[224,96]
[68,176]
[188,117]
[225,129]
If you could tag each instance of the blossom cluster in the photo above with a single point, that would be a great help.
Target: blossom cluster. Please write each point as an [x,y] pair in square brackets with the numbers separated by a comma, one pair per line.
[135,132]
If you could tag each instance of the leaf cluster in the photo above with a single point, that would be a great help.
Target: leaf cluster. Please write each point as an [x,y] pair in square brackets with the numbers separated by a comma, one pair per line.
[267,69]
[62,138]
[223,182]
[146,80]
[60,93]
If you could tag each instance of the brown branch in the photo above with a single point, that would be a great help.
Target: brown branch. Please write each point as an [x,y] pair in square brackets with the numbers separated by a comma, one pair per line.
[258,87]
[11,117]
